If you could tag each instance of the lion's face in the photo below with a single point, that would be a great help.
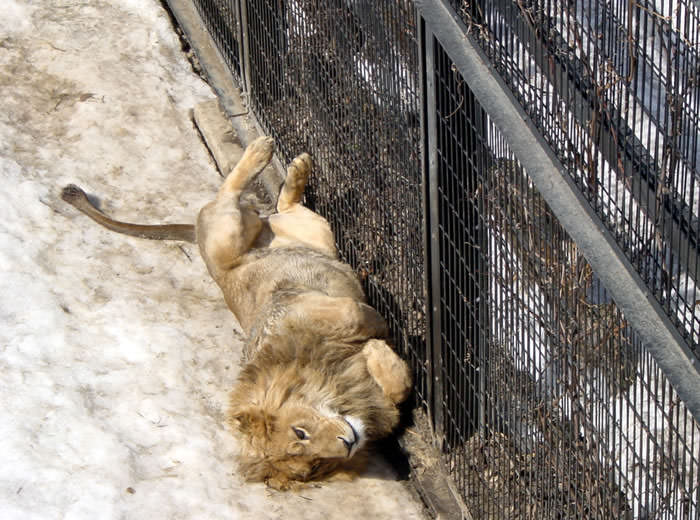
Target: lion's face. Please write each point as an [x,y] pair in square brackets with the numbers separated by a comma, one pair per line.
[297,442]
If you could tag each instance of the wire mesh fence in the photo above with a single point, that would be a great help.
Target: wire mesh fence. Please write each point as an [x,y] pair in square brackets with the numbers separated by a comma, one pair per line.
[342,84]
[223,21]
[552,408]
[542,396]
[614,88]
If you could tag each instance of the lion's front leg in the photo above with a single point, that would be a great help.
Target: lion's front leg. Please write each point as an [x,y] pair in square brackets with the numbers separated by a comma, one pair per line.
[389,371]
[334,317]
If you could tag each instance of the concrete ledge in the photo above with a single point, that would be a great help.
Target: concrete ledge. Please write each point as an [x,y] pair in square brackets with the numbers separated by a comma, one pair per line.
[221,139]
[433,485]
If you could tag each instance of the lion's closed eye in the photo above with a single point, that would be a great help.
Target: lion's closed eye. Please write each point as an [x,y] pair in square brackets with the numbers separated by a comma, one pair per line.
[315,467]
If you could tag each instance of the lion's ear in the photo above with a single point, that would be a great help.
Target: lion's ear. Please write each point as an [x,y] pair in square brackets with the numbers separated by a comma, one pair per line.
[253,421]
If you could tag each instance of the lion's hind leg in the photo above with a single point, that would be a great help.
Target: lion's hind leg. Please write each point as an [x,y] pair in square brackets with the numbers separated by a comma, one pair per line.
[256,156]
[295,182]
[225,230]
[294,224]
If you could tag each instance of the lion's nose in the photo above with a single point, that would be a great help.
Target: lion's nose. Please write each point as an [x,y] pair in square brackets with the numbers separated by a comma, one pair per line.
[348,444]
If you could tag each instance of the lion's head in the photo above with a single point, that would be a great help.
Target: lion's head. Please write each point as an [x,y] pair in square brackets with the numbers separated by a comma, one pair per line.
[298,443]
[298,423]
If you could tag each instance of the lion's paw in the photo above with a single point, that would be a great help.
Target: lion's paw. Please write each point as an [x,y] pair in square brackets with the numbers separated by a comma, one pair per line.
[259,153]
[293,190]
[389,371]
[298,172]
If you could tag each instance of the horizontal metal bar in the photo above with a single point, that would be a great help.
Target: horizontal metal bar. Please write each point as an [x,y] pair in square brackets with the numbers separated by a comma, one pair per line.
[642,311]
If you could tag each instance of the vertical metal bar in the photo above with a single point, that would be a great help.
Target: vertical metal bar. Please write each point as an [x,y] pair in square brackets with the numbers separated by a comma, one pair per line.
[242,67]
[425,192]
[433,239]
[482,275]
[245,55]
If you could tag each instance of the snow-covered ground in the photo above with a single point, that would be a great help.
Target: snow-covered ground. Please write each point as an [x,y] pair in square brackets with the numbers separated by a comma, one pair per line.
[116,354]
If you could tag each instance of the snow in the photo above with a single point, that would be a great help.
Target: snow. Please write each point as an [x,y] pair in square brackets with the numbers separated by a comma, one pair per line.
[117,354]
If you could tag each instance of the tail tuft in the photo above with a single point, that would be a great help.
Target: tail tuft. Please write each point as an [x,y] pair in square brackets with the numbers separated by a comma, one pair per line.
[72,193]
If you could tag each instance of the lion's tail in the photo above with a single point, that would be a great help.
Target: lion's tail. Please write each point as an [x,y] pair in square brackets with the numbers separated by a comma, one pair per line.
[76,197]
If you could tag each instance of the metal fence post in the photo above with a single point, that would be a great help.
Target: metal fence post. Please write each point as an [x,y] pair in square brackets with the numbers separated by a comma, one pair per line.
[245,47]
[432,244]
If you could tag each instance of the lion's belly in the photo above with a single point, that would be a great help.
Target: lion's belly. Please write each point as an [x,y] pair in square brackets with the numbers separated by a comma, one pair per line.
[253,284]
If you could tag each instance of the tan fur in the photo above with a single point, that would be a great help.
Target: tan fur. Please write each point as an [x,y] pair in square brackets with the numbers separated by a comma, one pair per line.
[318,381]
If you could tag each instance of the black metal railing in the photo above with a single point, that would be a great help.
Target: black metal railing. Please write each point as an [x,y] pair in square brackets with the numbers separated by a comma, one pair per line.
[545,399]
[549,405]
[614,88]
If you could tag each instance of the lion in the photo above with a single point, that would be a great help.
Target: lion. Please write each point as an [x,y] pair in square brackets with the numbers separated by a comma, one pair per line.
[318,381]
